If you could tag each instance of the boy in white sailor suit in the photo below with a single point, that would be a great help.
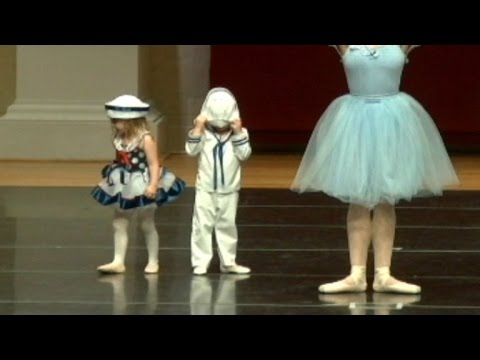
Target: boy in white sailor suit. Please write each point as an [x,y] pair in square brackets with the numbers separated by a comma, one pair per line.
[221,143]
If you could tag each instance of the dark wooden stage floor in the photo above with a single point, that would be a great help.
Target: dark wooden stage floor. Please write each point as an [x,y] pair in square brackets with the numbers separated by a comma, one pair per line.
[52,239]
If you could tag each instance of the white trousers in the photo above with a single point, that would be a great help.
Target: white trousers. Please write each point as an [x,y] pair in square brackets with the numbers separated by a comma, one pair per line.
[214,213]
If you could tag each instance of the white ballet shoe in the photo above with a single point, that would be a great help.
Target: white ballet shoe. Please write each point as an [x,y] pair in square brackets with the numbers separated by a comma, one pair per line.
[112,268]
[152,268]
[355,283]
[385,283]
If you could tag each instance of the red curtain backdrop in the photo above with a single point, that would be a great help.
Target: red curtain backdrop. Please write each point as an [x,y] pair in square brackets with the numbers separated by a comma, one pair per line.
[283,89]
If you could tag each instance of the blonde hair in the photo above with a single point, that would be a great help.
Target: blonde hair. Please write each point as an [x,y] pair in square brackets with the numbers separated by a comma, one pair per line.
[133,127]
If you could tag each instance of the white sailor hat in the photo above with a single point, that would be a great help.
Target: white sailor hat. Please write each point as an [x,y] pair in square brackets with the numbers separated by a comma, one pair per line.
[220,108]
[127,107]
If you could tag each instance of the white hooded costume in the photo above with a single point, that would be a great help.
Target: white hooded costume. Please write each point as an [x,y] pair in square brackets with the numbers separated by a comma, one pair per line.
[218,180]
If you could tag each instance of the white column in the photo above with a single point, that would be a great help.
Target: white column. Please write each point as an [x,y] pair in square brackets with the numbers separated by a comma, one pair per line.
[193,85]
[58,112]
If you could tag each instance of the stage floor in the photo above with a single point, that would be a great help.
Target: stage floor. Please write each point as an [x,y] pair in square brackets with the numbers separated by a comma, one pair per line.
[53,238]
[261,171]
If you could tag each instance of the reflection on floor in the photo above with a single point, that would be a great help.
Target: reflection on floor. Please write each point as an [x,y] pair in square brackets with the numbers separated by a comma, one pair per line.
[52,240]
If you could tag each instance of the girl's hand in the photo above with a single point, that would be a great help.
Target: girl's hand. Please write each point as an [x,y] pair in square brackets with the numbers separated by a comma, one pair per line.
[151,192]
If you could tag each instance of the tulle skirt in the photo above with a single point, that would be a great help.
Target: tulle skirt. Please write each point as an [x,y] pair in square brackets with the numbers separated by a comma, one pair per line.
[368,151]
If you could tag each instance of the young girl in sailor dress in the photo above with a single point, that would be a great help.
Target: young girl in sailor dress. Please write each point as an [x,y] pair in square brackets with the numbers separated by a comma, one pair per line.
[134,182]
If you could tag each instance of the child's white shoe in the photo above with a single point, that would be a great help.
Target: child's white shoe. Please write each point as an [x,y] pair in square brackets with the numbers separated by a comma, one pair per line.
[151,268]
[200,270]
[112,268]
[235,269]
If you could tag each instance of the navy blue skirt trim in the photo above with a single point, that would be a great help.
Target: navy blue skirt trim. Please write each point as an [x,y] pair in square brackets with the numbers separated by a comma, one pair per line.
[163,197]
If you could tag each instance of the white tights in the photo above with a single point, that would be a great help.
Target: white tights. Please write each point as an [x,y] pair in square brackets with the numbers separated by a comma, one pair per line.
[362,230]
[121,222]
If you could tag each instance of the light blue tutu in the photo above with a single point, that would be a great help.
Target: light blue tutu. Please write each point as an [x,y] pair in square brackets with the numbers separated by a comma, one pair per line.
[376,145]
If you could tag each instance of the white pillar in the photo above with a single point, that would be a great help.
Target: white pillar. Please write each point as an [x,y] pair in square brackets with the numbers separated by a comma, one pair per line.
[193,85]
[58,112]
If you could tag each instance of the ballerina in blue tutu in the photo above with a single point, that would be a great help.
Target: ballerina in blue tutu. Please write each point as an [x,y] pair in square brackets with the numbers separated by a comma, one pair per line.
[371,149]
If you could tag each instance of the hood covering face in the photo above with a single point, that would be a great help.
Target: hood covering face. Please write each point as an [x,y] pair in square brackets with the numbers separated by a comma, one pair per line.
[220,108]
